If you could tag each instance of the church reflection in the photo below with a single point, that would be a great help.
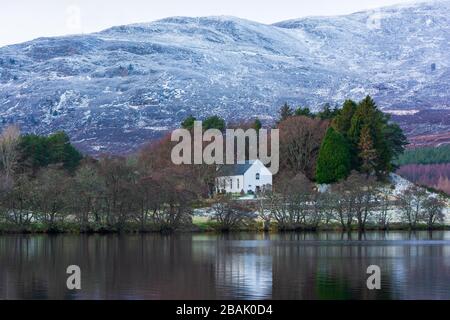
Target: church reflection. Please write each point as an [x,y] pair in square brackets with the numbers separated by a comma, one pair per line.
[234,266]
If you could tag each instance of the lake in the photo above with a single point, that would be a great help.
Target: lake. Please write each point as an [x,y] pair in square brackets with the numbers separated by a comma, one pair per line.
[234,266]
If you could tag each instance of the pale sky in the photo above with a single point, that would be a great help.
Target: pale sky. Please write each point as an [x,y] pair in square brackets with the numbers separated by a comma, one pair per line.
[22,20]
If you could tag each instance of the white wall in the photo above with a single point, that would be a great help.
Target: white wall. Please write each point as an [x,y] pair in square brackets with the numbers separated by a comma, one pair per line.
[265,177]
[232,184]
[246,182]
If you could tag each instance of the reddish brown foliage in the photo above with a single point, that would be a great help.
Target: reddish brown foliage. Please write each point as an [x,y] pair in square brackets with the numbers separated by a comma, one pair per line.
[436,176]
[300,141]
[155,160]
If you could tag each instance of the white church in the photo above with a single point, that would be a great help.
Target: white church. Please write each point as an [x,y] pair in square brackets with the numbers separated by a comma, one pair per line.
[252,176]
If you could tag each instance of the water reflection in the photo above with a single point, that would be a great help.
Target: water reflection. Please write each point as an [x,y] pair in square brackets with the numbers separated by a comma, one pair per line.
[235,266]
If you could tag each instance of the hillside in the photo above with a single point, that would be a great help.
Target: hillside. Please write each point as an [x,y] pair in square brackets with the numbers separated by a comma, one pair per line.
[113,90]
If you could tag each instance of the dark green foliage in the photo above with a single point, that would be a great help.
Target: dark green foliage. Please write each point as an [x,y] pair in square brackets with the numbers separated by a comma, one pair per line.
[257,125]
[188,123]
[429,155]
[214,122]
[327,113]
[39,151]
[333,163]
[343,121]
[386,138]
[285,112]
[396,140]
[367,153]
[304,112]
[383,140]
[366,115]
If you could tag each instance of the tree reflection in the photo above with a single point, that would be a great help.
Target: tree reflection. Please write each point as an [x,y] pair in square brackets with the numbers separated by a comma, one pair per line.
[232,266]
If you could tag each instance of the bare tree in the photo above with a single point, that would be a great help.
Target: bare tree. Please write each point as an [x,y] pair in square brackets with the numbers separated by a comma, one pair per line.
[169,200]
[87,196]
[356,200]
[230,214]
[300,140]
[411,203]
[344,204]
[264,212]
[290,205]
[118,175]
[364,191]
[16,203]
[328,206]
[433,211]
[384,207]
[9,141]
[50,191]
[319,210]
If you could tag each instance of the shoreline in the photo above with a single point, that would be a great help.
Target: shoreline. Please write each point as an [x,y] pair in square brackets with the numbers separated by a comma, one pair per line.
[195,229]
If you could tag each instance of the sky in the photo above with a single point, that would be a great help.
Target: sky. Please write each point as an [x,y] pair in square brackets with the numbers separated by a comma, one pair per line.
[23,20]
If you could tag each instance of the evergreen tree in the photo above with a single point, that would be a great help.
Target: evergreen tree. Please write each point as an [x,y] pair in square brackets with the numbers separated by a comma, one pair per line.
[387,138]
[428,155]
[368,115]
[343,121]
[188,123]
[395,140]
[214,122]
[333,163]
[367,153]
[257,125]
[39,151]
[285,112]
[304,112]
[62,151]
[327,113]
[365,116]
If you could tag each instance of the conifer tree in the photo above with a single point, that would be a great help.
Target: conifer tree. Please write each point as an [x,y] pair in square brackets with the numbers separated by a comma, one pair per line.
[188,123]
[367,153]
[214,122]
[257,125]
[333,163]
[304,112]
[368,115]
[327,113]
[285,112]
[343,121]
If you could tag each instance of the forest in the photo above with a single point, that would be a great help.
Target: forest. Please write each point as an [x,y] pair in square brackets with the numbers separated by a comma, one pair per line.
[429,155]
[47,185]
[429,167]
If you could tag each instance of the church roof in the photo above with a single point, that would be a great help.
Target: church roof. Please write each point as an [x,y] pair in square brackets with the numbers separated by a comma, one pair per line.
[228,170]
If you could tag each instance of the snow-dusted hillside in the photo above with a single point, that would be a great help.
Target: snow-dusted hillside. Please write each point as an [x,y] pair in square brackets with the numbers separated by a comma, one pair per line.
[113,90]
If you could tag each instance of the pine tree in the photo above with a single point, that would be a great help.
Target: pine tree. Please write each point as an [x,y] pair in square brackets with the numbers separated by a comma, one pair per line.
[387,138]
[257,125]
[367,153]
[368,115]
[365,115]
[333,163]
[285,112]
[395,141]
[343,120]
[214,122]
[188,123]
[40,151]
[304,112]
[327,113]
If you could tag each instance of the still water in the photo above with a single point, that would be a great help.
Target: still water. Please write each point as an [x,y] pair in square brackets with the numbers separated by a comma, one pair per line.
[235,266]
